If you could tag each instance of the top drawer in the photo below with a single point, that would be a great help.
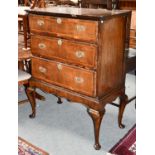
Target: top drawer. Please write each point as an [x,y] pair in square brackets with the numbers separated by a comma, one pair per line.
[64,27]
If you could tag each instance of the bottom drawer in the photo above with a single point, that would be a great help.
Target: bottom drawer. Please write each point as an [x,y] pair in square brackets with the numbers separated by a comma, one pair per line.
[73,78]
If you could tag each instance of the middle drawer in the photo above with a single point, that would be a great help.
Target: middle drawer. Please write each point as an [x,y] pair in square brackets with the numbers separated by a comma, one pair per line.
[64,50]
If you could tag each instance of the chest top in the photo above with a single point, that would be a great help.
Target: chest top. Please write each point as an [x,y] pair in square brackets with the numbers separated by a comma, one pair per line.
[79,13]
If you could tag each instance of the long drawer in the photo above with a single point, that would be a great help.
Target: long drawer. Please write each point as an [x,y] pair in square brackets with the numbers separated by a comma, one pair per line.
[64,27]
[73,78]
[67,51]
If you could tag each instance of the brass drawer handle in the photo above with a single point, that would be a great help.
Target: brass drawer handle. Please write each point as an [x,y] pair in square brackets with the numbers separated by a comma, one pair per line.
[80,28]
[59,20]
[79,54]
[40,22]
[42,69]
[41,45]
[59,42]
[78,79]
[59,66]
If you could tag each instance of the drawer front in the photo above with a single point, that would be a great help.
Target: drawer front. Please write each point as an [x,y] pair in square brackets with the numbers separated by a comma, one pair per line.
[67,51]
[76,79]
[64,27]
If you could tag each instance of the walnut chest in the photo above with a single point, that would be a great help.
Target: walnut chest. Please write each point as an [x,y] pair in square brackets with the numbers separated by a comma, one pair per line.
[79,54]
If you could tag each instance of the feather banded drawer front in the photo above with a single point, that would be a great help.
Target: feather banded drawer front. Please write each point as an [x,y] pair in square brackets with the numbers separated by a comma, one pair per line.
[57,26]
[79,54]
[70,77]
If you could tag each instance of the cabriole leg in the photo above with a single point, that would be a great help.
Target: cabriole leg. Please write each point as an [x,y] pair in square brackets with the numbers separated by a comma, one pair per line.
[31,96]
[97,119]
[123,103]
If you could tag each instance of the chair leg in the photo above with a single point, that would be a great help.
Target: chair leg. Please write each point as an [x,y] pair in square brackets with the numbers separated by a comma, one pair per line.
[30,92]
[19,25]
[25,28]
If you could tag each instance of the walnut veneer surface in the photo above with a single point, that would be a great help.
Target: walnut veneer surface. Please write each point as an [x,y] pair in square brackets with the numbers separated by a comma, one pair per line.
[80,54]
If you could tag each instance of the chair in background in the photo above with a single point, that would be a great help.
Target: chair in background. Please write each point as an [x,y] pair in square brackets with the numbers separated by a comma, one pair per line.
[23,24]
[131,42]
[23,70]
[107,4]
[73,3]
[23,18]
[23,78]
[24,75]
[127,4]
[130,49]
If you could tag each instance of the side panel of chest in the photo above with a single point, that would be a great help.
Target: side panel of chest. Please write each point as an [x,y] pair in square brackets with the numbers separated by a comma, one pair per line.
[111,55]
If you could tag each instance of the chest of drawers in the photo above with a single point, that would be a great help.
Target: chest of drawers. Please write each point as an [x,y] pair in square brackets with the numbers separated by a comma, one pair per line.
[79,54]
